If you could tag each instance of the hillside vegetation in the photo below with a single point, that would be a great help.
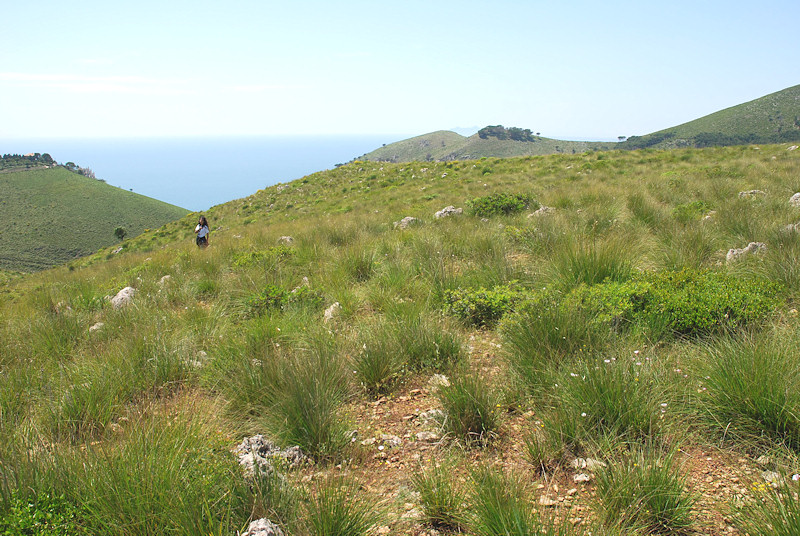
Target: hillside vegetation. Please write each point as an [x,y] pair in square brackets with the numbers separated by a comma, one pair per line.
[573,353]
[52,216]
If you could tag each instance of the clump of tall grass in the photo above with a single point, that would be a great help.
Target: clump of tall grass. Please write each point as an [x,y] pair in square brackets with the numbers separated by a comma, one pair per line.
[601,405]
[590,263]
[338,507]
[645,211]
[543,334]
[777,513]
[379,362]
[691,246]
[500,506]
[470,407]
[440,496]
[752,387]
[645,491]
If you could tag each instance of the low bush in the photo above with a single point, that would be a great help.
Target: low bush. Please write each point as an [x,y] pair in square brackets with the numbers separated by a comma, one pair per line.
[43,515]
[274,297]
[264,256]
[481,307]
[687,212]
[499,204]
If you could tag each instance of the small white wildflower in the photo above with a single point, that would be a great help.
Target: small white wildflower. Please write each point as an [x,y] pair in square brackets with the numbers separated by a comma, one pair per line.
[663,404]
[583,414]
[606,361]
[795,477]
[638,363]
[573,374]
[636,352]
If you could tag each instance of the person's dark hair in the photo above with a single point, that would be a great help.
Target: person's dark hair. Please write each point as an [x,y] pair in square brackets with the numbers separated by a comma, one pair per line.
[203,221]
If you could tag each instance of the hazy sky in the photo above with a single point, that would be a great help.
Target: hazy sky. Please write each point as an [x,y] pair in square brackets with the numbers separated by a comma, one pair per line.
[568,69]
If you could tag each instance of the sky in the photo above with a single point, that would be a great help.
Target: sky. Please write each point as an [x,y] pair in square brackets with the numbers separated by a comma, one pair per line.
[571,69]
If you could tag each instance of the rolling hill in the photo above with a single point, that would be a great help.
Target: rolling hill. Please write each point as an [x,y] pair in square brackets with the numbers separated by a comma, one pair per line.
[51,216]
[774,118]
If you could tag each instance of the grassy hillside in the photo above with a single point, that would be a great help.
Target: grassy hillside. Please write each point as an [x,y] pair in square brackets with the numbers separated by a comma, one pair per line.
[770,119]
[608,370]
[444,145]
[52,216]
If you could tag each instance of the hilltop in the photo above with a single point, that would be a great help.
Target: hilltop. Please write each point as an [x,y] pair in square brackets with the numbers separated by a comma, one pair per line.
[602,342]
[444,145]
[52,215]
[773,118]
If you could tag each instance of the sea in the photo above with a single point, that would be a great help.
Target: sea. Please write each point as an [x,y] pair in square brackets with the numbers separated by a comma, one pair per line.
[201,172]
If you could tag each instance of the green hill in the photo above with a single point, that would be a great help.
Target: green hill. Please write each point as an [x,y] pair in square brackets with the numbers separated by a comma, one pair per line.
[444,145]
[774,118]
[607,369]
[51,216]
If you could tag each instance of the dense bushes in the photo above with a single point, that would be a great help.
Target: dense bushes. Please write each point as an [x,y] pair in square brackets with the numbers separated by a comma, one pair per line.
[501,203]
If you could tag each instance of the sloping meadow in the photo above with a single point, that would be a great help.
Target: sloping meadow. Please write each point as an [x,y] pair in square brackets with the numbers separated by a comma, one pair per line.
[622,330]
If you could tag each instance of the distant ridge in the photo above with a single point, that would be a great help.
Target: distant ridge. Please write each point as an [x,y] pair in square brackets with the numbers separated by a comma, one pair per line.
[52,215]
[774,118]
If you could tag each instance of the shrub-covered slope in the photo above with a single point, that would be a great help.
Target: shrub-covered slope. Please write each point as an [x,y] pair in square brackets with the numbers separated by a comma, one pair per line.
[573,351]
[51,216]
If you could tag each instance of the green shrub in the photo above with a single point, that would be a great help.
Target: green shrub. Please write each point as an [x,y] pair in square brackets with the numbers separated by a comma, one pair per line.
[645,492]
[264,256]
[497,204]
[481,307]
[43,515]
[690,211]
[275,297]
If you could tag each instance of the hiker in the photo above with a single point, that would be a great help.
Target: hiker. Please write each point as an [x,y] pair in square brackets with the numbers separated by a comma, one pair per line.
[202,232]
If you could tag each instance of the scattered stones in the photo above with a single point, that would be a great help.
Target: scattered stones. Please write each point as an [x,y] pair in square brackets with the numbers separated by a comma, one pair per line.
[304,283]
[792,148]
[542,211]
[97,327]
[438,381]
[406,222]
[764,460]
[737,254]
[748,194]
[772,477]
[331,312]
[259,453]
[433,415]
[581,477]
[793,228]
[547,501]
[164,280]
[428,437]
[709,215]
[118,250]
[263,527]
[587,463]
[123,298]
[287,240]
[448,211]
[795,200]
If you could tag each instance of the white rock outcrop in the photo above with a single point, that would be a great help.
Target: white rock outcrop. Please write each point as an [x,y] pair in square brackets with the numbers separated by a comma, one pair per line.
[448,211]
[123,298]
[736,254]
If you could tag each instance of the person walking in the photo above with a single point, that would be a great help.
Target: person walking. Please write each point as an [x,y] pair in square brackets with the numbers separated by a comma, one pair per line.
[202,231]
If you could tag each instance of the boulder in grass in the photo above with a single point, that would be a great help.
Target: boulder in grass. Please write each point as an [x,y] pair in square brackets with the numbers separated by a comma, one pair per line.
[737,254]
[406,222]
[750,194]
[448,211]
[331,312]
[795,200]
[287,240]
[263,527]
[123,298]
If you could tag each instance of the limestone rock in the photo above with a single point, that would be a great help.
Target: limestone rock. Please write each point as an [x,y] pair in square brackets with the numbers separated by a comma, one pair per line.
[288,240]
[263,527]
[428,437]
[448,211]
[541,211]
[97,327]
[258,454]
[736,254]
[331,312]
[406,222]
[438,381]
[795,200]
[123,298]
[581,477]
[749,194]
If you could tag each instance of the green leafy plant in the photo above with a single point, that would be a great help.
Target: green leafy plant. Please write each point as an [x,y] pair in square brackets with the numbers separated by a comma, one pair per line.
[499,204]
[481,307]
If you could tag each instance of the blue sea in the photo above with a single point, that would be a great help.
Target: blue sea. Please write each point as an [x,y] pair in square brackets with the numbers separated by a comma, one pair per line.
[198,173]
